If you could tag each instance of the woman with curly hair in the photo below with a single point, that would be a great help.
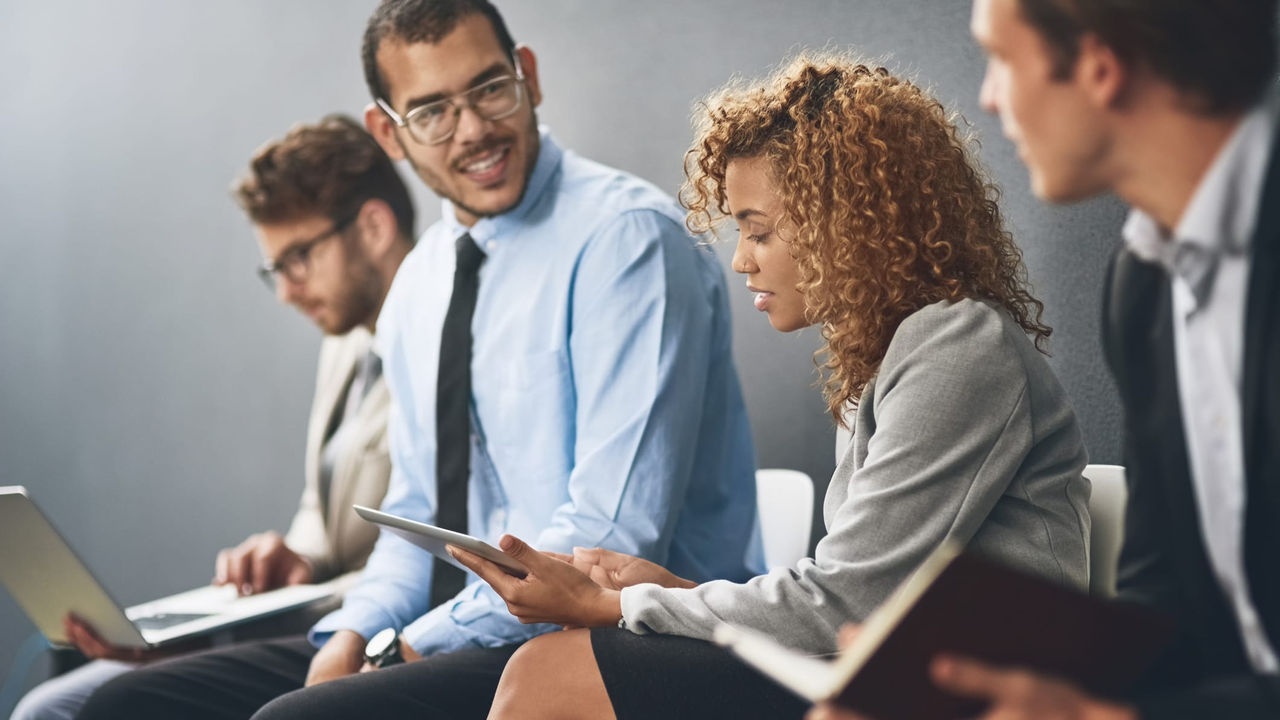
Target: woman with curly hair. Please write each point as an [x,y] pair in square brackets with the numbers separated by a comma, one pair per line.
[858,210]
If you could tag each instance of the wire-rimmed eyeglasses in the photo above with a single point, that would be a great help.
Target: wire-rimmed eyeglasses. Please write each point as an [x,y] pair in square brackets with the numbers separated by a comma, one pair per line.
[435,122]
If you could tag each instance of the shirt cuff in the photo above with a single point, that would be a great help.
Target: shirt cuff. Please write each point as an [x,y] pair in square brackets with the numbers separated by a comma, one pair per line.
[436,632]
[365,619]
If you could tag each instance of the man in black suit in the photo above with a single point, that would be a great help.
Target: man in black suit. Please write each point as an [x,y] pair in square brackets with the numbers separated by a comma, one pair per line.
[1167,103]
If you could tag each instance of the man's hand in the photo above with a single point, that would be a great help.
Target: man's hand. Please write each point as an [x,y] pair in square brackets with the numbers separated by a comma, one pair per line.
[614,570]
[1014,694]
[1022,695]
[343,655]
[553,591]
[827,711]
[262,562]
[88,641]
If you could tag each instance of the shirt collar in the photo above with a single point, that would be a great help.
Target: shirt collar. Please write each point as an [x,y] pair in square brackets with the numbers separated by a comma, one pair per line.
[1223,210]
[495,227]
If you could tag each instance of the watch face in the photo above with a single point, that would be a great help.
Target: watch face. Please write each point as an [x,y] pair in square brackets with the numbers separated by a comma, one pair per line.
[380,645]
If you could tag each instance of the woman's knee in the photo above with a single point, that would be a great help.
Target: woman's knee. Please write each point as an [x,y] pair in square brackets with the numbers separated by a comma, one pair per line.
[552,676]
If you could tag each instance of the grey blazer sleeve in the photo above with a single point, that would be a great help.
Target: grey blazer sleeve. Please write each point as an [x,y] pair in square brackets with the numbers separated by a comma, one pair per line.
[938,440]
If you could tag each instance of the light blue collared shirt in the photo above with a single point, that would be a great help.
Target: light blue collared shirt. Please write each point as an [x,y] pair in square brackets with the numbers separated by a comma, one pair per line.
[606,410]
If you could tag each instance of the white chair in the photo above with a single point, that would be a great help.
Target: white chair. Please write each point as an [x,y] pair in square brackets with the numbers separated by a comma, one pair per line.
[1106,508]
[785,498]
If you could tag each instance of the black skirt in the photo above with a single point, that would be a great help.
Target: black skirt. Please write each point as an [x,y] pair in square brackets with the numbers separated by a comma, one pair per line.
[664,676]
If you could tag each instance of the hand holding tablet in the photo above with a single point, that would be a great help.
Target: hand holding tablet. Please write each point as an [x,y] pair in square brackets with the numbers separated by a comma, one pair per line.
[434,540]
[553,591]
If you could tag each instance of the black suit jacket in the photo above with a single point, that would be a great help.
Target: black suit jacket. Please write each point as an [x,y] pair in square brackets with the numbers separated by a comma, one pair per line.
[1205,674]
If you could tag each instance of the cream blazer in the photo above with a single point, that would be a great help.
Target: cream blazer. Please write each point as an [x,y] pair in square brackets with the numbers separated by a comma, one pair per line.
[326,530]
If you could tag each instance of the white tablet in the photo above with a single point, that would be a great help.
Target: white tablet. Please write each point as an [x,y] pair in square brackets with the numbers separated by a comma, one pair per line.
[434,539]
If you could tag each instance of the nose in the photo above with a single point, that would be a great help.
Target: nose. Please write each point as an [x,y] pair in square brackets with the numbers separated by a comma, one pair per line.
[988,91]
[743,263]
[472,126]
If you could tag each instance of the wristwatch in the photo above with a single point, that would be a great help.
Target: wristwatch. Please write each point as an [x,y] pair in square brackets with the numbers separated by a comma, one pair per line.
[383,650]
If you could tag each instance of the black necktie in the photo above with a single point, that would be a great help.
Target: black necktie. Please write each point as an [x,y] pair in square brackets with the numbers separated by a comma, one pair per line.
[453,413]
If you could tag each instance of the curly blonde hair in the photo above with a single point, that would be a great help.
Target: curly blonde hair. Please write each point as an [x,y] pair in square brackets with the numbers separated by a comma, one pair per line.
[887,210]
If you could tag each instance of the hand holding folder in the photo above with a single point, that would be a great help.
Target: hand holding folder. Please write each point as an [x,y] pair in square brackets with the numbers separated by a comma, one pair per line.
[960,604]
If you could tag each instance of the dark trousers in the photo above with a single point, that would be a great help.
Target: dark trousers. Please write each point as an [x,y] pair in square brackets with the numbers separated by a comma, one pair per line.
[266,678]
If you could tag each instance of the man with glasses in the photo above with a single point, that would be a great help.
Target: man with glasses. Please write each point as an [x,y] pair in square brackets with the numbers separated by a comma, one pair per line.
[334,220]
[559,358]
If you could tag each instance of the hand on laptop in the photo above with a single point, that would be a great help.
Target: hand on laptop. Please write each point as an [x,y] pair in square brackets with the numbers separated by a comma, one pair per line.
[87,641]
[260,563]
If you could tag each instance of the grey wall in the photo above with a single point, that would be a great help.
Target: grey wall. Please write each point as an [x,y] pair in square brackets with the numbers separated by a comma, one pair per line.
[153,396]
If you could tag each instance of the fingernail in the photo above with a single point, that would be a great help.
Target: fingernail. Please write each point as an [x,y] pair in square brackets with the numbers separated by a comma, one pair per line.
[246,589]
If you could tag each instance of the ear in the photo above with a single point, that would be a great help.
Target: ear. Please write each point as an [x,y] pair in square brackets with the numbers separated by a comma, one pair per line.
[378,228]
[383,130]
[529,66]
[1101,74]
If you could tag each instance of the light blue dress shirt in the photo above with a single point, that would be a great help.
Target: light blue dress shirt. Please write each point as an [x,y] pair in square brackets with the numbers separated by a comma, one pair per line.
[606,410]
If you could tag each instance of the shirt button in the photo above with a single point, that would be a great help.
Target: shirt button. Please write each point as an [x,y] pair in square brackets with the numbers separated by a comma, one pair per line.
[490,245]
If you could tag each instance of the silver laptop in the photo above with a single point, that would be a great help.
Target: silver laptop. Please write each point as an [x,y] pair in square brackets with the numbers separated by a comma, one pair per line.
[48,580]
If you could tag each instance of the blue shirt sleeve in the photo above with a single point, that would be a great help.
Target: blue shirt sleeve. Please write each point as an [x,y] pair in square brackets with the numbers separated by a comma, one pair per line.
[394,587]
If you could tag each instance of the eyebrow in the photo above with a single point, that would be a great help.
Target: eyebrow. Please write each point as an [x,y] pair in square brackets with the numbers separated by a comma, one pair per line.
[495,70]
[748,214]
[291,247]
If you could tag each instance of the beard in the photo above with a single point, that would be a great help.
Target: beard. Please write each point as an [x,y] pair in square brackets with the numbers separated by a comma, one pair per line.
[361,294]
[433,180]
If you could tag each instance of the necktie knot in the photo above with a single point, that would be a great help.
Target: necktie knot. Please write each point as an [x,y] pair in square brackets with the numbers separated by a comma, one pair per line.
[1198,266]
[470,256]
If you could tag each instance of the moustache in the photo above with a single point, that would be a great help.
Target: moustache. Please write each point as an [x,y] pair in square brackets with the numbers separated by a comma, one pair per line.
[486,147]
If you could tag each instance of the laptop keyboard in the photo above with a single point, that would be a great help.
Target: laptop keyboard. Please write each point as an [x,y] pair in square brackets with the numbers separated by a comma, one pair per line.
[162,621]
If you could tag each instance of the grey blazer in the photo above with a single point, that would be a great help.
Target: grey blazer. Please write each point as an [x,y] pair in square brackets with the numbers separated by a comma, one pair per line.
[326,530]
[964,434]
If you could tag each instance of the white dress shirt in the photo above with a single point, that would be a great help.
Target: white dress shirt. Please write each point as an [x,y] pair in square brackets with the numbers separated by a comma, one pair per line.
[1217,229]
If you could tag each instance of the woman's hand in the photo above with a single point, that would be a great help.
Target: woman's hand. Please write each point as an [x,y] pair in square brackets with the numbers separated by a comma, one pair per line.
[86,639]
[553,592]
[615,570]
